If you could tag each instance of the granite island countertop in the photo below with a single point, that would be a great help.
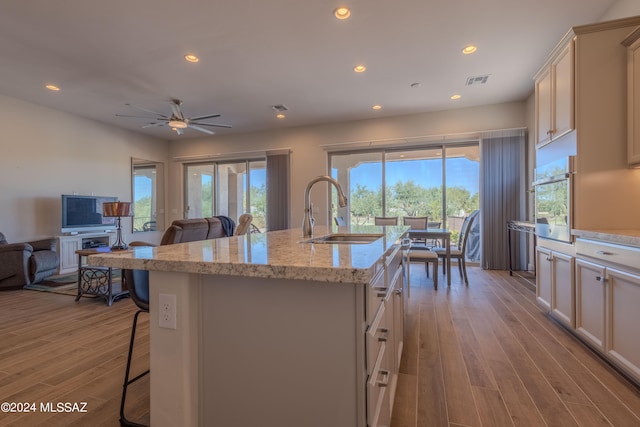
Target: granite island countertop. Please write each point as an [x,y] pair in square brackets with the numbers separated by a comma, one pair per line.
[622,237]
[276,254]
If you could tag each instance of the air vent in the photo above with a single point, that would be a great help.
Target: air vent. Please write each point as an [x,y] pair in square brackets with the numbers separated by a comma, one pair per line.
[478,80]
[279,108]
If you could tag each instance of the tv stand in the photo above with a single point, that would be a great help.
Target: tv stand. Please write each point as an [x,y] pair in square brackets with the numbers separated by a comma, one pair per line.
[69,244]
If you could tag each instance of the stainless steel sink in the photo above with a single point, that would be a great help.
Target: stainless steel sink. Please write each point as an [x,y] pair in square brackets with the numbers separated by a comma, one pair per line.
[345,238]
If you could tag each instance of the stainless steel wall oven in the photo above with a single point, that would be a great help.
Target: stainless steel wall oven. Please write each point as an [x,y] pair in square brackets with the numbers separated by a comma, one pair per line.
[553,187]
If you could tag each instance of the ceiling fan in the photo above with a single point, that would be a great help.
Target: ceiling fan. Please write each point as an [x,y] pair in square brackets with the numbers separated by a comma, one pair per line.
[176,120]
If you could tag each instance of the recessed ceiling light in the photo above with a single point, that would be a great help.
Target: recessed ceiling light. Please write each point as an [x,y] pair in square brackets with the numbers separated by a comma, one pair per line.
[456,96]
[469,49]
[359,68]
[377,107]
[280,116]
[191,58]
[342,12]
[52,87]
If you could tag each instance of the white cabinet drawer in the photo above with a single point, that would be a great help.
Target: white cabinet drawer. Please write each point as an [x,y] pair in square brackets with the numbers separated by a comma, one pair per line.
[377,335]
[608,252]
[377,404]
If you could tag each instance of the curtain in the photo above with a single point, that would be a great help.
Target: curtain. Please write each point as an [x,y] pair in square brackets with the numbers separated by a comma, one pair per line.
[503,196]
[278,200]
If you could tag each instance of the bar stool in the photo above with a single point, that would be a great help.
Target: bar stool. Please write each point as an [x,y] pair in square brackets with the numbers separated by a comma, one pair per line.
[138,283]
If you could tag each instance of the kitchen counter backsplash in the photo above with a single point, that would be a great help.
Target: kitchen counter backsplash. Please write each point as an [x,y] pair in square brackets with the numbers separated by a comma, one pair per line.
[622,237]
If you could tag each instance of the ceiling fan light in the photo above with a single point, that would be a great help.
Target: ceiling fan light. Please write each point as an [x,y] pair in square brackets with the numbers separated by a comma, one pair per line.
[178,124]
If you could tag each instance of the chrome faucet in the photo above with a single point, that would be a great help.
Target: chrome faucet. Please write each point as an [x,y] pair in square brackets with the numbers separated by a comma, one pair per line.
[307,223]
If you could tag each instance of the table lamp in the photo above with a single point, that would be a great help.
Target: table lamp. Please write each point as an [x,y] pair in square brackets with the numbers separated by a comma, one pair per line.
[117,210]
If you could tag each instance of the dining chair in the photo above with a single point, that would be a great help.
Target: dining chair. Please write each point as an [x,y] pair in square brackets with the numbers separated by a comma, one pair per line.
[417,223]
[458,252]
[386,220]
[427,257]
[244,224]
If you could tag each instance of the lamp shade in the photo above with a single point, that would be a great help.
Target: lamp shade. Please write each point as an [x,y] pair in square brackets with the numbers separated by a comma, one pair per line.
[116,209]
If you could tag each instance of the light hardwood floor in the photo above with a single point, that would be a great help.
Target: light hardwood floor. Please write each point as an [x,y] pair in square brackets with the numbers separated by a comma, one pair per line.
[486,355]
[478,355]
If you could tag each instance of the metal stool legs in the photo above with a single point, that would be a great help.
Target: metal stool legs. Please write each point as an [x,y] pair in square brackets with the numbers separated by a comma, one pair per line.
[123,420]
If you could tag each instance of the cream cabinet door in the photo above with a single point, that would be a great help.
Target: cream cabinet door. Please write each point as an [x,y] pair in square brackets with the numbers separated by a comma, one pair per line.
[563,289]
[543,108]
[591,302]
[563,93]
[554,89]
[543,278]
[623,345]
[633,102]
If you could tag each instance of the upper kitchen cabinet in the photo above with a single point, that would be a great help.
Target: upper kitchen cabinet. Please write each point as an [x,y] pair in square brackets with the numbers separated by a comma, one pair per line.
[633,97]
[586,93]
[554,95]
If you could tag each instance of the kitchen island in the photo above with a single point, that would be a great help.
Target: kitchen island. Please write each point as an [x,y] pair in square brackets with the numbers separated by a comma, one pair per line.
[274,332]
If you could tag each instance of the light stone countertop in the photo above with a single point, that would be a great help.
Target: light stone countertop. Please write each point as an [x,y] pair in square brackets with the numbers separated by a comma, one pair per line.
[277,254]
[622,237]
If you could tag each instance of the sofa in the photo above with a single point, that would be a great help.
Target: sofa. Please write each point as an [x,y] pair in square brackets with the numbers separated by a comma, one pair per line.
[191,230]
[26,263]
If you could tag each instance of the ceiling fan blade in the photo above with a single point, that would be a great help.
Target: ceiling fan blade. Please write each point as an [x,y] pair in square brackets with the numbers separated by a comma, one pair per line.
[201,129]
[146,111]
[150,125]
[137,117]
[210,116]
[210,124]
[175,108]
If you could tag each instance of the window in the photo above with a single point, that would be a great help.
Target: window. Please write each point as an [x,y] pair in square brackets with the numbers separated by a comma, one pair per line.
[227,188]
[440,182]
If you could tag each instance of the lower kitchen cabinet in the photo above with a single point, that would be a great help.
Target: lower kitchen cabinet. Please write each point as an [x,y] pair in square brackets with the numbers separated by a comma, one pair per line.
[591,300]
[623,345]
[555,284]
[608,302]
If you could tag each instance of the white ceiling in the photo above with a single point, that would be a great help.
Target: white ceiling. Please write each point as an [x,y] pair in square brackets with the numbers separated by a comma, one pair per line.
[255,54]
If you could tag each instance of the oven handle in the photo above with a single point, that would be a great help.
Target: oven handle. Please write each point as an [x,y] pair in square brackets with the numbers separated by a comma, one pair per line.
[552,179]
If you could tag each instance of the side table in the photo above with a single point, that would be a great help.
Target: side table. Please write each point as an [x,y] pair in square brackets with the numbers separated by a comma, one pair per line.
[522,227]
[93,280]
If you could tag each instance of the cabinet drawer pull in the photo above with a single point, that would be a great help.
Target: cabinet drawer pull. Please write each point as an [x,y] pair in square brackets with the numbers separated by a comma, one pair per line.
[384,382]
[398,292]
[601,279]
[604,253]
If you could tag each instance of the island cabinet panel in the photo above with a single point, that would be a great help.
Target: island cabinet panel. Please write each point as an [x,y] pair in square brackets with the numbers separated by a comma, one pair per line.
[291,349]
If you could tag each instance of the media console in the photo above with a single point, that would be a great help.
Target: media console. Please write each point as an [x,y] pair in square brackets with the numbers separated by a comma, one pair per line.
[69,244]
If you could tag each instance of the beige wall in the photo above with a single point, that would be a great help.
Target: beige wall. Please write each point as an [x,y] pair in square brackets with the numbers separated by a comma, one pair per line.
[622,9]
[309,158]
[46,153]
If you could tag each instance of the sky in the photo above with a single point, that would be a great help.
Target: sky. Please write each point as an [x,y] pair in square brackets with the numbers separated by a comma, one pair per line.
[428,173]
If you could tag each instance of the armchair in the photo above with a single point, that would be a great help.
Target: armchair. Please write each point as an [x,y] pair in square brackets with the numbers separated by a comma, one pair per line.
[25,263]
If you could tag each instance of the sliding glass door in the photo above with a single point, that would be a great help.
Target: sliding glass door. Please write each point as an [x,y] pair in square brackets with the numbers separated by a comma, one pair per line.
[227,188]
[440,182]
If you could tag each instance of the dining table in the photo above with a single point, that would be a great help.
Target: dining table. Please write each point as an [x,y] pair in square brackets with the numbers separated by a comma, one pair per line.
[442,234]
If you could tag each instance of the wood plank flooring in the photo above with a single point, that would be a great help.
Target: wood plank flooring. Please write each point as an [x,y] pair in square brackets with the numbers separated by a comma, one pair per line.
[483,355]
[486,355]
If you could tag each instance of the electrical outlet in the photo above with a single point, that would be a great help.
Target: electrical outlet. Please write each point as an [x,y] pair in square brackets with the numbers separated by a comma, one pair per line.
[167,311]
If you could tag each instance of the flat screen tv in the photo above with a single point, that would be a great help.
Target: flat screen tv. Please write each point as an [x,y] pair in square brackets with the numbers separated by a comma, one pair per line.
[83,214]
